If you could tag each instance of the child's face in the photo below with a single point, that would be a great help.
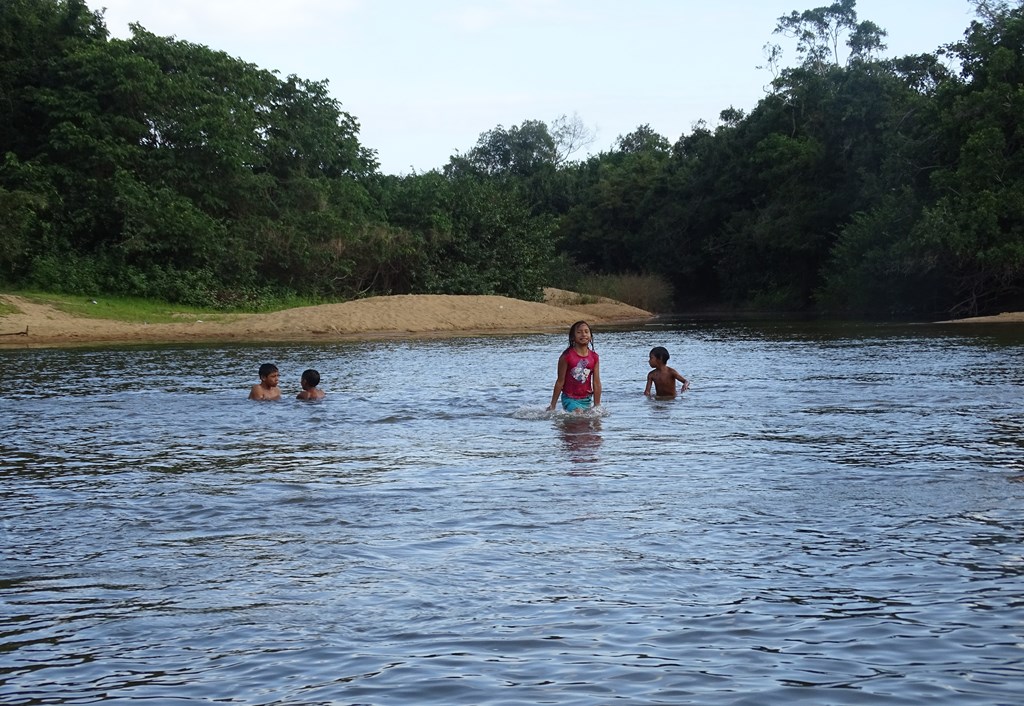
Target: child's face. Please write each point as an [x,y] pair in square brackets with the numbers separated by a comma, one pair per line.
[270,380]
[654,361]
[582,336]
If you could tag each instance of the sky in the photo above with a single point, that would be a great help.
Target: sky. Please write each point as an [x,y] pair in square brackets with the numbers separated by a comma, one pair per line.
[424,78]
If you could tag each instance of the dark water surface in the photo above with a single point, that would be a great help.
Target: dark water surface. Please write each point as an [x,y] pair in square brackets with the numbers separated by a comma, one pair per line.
[832,515]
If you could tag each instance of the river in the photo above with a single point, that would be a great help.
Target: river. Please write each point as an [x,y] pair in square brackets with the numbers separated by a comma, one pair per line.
[832,514]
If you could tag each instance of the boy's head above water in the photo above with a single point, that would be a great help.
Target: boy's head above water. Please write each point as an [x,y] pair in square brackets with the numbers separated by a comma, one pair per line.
[310,378]
[269,373]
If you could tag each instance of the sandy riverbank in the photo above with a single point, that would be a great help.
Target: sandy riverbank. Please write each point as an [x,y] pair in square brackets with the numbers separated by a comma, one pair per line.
[1007,317]
[39,325]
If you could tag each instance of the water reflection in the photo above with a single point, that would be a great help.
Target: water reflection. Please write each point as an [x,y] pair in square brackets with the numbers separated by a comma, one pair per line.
[581,437]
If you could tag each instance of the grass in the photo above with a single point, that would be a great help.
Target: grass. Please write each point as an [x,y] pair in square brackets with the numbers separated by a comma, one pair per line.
[137,309]
[118,308]
[648,292]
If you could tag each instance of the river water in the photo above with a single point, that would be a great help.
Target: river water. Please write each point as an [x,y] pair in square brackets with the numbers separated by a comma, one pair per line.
[833,514]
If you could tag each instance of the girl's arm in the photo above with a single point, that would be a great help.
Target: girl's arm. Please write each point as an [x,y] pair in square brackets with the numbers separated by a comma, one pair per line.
[563,366]
[596,375]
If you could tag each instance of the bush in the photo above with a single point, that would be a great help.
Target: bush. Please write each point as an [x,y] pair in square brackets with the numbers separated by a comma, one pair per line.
[67,273]
[648,292]
[564,273]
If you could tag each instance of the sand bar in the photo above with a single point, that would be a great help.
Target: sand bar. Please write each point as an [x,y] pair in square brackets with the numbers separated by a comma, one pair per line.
[39,325]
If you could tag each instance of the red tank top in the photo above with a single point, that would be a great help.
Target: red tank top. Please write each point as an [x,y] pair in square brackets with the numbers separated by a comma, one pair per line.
[578,383]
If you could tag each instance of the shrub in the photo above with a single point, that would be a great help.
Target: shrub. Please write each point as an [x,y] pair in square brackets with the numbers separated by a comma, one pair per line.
[648,292]
[66,273]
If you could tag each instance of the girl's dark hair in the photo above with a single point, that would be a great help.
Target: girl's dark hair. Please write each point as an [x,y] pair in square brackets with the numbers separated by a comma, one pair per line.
[311,376]
[572,333]
[661,353]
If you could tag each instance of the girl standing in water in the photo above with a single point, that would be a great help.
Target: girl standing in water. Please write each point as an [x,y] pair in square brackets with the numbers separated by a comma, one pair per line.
[579,374]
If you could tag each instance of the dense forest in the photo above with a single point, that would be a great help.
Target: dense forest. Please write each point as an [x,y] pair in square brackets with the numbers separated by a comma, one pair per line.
[858,186]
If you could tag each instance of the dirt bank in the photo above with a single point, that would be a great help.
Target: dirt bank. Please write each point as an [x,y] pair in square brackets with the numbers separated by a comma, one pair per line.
[37,324]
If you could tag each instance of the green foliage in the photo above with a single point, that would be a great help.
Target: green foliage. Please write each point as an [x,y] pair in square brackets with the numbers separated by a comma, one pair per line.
[64,272]
[974,230]
[874,269]
[605,230]
[562,272]
[120,308]
[477,235]
[21,228]
[141,310]
[168,157]
[494,245]
[160,225]
[820,31]
[648,292]
[519,151]
[155,167]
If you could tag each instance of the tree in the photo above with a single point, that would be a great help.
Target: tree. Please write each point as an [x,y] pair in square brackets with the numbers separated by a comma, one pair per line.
[819,33]
[520,151]
[642,140]
[570,136]
[33,35]
[172,162]
[974,231]
[604,231]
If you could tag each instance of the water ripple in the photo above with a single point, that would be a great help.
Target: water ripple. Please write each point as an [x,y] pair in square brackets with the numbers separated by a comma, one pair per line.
[828,516]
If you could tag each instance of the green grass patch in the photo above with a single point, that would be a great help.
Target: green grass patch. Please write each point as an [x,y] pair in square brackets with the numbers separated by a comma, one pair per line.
[136,309]
[132,309]
[123,308]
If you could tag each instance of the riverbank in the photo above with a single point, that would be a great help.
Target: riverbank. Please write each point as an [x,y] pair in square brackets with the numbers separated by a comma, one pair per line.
[36,324]
[1007,317]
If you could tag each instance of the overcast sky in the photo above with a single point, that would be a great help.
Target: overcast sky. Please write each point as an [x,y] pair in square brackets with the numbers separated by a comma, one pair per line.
[425,77]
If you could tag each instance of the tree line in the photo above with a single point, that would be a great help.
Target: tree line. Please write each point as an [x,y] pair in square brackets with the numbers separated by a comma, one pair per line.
[858,185]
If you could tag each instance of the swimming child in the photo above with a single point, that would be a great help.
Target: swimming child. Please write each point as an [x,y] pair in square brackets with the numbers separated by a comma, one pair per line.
[267,389]
[663,377]
[579,373]
[310,391]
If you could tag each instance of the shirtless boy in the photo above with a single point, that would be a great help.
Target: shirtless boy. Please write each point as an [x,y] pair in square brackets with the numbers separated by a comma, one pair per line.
[310,391]
[267,389]
[663,377]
